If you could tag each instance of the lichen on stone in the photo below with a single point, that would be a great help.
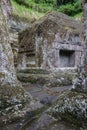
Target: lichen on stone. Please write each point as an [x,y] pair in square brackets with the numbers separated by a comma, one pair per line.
[12,96]
[71,107]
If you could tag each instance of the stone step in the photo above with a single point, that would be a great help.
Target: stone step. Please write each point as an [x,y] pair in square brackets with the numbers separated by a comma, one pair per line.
[61,77]
[31,65]
[33,78]
[34,70]
[48,79]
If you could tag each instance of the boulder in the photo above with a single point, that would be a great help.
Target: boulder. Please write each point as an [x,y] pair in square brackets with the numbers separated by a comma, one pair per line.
[71,107]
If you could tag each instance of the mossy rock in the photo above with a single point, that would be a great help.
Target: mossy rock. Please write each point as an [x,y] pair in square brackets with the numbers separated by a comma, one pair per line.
[34,71]
[45,77]
[71,107]
[33,78]
[12,99]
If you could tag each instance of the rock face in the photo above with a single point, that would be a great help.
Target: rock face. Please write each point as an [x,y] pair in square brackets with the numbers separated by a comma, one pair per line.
[15,26]
[14,45]
[7,71]
[6,7]
[72,106]
[53,41]
[12,95]
[80,83]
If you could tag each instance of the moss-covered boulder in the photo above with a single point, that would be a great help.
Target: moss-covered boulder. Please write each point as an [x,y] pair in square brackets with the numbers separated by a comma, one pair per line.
[72,107]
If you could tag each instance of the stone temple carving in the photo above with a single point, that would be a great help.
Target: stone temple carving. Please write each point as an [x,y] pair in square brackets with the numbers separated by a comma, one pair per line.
[72,106]
[52,42]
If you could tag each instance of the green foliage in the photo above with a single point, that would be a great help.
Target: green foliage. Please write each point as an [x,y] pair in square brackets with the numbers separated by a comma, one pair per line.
[71,9]
[45,1]
[63,2]
[39,6]
[36,1]
[20,12]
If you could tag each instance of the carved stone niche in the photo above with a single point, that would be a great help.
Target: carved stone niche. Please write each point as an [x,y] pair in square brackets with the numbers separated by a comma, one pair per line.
[67,58]
[49,43]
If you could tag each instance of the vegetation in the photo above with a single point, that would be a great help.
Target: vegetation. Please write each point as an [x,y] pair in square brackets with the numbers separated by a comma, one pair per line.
[21,12]
[71,9]
[33,9]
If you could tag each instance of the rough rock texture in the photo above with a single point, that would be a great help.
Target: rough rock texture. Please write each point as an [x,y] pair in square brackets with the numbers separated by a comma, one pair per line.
[6,7]
[52,42]
[59,77]
[49,40]
[12,95]
[84,7]
[15,27]
[80,82]
[72,107]
[14,45]
[7,71]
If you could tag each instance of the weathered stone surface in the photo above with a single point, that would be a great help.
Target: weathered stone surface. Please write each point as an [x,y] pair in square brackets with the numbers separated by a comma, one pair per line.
[14,28]
[6,7]
[49,40]
[17,25]
[58,77]
[14,45]
[84,9]
[80,82]
[7,71]
[72,107]
[12,95]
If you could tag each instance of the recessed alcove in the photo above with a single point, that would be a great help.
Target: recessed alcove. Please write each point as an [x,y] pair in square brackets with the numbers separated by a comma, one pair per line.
[67,58]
